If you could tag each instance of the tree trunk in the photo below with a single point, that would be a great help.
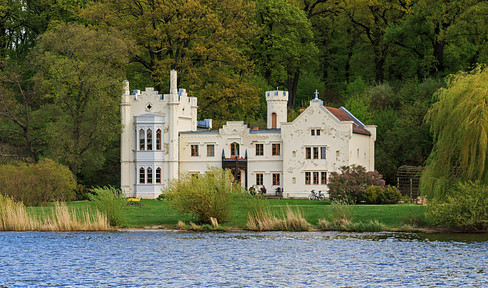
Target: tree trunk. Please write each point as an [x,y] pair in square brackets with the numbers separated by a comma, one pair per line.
[292,88]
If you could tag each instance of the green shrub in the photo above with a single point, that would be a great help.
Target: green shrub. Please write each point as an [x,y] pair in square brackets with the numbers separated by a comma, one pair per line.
[206,196]
[111,202]
[379,195]
[466,206]
[391,195]
[372,193]
[35,184]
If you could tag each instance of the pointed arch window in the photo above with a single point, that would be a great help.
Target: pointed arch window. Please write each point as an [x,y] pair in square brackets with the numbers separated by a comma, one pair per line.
[142,176]
[149,175]
[158,175]
[158,139]
[149,139]
[142,139]
[234,150]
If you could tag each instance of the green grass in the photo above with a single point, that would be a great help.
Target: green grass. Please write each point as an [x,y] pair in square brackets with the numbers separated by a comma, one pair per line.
[159,213]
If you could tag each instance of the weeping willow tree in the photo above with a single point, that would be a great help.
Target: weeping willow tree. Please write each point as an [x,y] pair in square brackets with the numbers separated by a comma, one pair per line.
[459,123]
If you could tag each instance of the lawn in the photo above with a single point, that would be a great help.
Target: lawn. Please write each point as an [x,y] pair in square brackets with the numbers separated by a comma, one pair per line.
[159,213]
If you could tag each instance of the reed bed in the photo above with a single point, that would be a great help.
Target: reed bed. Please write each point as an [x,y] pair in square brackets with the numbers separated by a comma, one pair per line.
[15,217]
[263,219]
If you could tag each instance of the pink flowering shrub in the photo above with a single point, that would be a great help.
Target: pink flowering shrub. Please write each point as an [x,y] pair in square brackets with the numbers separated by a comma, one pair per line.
[350,184]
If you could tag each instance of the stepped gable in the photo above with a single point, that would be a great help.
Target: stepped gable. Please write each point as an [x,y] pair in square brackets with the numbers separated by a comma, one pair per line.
[342,115]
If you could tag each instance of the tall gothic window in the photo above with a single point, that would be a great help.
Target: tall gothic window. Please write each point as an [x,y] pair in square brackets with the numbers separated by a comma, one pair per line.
[142,138]
[142,176]
[158,139]
[273,121]
[149,139]
[158,175]
[149,175]
[234,150]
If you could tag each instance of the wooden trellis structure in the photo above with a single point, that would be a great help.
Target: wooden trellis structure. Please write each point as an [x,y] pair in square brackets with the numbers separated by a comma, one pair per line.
[408,180]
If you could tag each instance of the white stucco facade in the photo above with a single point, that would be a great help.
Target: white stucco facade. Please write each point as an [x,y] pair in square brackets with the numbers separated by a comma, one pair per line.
[160,140]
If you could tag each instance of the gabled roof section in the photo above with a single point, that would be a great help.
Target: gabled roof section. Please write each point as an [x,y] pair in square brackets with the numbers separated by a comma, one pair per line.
[343,115]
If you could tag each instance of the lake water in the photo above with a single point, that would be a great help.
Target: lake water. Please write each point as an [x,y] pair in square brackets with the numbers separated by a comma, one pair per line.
[242,259]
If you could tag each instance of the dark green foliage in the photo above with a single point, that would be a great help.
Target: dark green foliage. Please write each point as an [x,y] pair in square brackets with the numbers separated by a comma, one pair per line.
[350,185]
[466,206]
[36,184]
[381,195]
[390,195]
[372,193]
[110,201]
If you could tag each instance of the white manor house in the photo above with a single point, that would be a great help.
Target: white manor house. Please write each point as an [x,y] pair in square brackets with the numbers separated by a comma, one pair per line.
[162,138]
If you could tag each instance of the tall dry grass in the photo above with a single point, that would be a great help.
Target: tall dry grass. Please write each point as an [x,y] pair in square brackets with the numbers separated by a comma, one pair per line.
[263,219]
[14,217]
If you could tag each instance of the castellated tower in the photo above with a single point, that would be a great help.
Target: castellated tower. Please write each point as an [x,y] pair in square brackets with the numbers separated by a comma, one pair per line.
[151,124]
[277,108]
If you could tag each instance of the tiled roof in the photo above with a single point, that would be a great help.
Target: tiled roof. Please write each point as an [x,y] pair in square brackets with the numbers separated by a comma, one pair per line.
[342,115]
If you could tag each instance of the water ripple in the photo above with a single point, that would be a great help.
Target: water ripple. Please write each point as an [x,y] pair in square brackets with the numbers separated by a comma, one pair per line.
[242,259]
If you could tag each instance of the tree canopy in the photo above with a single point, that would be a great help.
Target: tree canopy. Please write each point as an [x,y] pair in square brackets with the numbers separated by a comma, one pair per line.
[459,123]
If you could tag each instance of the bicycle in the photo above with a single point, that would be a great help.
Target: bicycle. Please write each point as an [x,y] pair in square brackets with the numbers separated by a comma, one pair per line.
[316,196]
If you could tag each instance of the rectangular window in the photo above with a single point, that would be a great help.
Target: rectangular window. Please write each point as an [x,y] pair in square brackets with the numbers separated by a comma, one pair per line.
[210,150]
[259,150]
[276,179]
[318,132]
[315,152]
[307,178]
[194,150]
[323,152]
[323,178]
[276,149]
[259,179]
[312,132]
[308,153]
[315,178]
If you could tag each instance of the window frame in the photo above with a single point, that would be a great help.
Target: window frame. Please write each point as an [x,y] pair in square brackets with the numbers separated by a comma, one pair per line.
[142,139]
[276,149]
[315,152]
[259,147]
[259,178]
[323,152]
[149,139]
[210,150]
[323,177]
[194,150]
[316,179]
[308,152]
[308,178]
[158,175]
[142,175]
[149,178]
[234,150]
[276,179]
[158,139]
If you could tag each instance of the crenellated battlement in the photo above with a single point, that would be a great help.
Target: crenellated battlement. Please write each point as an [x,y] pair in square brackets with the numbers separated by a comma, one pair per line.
[277,95]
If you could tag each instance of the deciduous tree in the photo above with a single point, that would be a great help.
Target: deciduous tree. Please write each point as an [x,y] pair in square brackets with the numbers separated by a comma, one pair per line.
[459,123]
[80,71]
